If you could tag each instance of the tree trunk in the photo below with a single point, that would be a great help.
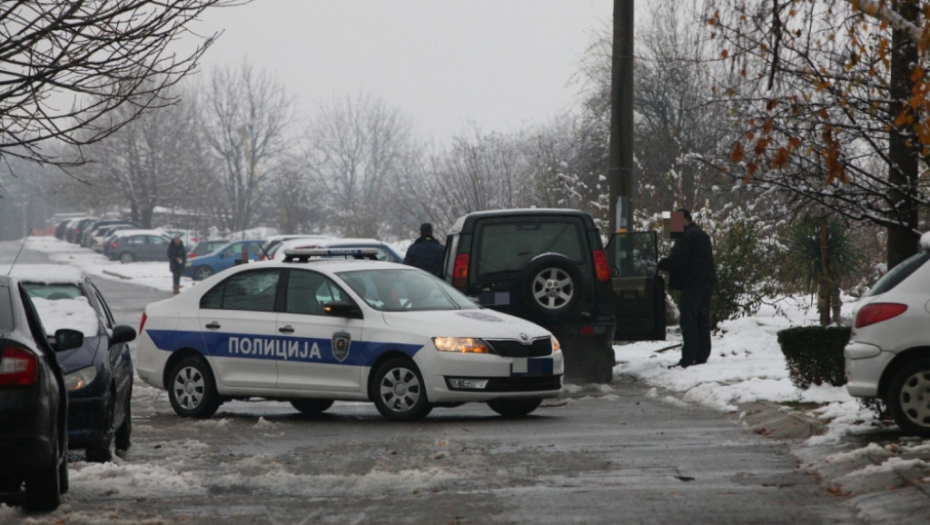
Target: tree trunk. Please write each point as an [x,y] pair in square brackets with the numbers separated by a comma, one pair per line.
[903,171]
[823,296]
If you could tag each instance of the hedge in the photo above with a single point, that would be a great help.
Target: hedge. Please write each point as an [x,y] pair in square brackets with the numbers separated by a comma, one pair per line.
[815,354]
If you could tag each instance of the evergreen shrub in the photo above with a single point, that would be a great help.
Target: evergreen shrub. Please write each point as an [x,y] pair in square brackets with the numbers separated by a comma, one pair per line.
[815,354]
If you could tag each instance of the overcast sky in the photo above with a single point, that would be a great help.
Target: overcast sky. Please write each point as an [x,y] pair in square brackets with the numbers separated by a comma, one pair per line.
[502,64]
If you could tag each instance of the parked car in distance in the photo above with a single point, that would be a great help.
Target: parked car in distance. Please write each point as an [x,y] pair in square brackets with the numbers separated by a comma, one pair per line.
[206,247]
[188,237]
[384,252]
[102,233]
[225,257]
[888,355]
[549,266]
[138,245]
[33,403]
[72,225]
[87,237]
[99,373]
[274,241]
[81,226]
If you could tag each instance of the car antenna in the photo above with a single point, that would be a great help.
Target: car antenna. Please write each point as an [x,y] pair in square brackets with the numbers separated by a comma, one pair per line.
[21,246]
[262,248]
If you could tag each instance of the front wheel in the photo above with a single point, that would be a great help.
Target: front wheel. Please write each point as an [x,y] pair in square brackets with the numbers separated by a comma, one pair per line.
[514,408]
[127,257]
[124,432]
[192,390]
[101,450]
[399,392]
[312,407]
[909,398]
[202,272]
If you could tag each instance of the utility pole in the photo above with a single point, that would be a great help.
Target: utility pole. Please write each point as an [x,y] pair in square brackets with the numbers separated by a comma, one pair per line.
[620,169]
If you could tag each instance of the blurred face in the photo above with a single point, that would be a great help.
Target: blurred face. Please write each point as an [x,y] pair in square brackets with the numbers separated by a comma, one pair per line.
[674,223]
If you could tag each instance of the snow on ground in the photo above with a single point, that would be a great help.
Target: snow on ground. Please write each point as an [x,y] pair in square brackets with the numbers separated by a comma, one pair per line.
[151,274]
[746,365]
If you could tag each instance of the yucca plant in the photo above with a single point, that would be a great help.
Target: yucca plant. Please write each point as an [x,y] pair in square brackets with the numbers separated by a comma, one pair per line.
[819,256]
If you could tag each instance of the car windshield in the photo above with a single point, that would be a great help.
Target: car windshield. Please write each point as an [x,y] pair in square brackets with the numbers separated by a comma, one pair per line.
[899,273]
[405,290]
[53,291]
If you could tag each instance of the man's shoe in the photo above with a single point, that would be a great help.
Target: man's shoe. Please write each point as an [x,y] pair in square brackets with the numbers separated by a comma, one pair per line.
[682,364]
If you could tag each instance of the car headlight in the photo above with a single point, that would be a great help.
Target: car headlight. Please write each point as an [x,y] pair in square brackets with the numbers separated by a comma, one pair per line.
[556,347]
[464,345]
[80,378]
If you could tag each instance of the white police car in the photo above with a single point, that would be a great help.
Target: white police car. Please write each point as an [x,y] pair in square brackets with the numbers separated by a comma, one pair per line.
[314,330]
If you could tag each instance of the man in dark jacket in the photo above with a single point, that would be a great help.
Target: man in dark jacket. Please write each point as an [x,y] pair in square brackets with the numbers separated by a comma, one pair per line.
[177,256]
[426,253]
[691,270]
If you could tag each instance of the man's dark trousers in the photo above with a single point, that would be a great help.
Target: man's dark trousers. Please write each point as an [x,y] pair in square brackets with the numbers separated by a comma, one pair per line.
[695,323]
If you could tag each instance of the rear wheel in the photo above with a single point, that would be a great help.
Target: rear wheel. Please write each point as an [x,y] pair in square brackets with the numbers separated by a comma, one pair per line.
[514,408]
[202,272]
[192,389]
[909,398]
[127,257]
[43,486]
[312,407]
[399,392]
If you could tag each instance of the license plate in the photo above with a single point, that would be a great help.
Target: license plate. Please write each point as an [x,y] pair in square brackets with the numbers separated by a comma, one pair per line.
[531,367]
[494,299]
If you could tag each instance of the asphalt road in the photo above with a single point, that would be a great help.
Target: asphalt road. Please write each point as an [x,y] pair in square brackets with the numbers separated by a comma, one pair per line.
[596,456]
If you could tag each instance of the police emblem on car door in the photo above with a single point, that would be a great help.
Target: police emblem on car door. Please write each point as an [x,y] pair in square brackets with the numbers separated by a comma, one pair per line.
[342,341]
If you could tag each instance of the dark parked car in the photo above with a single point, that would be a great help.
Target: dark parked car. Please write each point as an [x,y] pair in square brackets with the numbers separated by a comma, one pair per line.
[550,267]
[80,227]
[60,229]
[33,403]
[206,247]
[98,375]
[137,245]
[70,227]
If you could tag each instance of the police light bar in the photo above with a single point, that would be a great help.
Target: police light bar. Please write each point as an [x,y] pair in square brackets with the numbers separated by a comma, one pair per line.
[306,253]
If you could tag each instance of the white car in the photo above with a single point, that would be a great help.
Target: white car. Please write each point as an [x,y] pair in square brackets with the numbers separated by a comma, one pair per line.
[888,355]
[311,331]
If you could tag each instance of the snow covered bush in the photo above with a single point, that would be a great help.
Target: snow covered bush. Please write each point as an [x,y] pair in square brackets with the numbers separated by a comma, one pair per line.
[814,354]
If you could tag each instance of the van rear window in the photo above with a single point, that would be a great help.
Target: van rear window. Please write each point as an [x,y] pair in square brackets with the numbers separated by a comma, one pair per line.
[509,246]
[899,273]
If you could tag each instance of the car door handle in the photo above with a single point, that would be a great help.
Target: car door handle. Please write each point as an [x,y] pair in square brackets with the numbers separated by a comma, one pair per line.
[286,329]
[213,326]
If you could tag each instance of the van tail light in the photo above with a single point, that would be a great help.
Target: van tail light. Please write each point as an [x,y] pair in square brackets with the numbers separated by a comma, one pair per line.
[115,243]
[600,265]
[18,366]
[193,239]
[460,272]
[191,255]
[878,312]
[142,323]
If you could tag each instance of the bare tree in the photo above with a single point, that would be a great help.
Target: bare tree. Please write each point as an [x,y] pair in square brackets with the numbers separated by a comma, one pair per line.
[357,149]
[108,55]
[245,120]
[149,162]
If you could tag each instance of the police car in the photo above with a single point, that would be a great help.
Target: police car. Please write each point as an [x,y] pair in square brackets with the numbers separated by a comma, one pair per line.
[320,326]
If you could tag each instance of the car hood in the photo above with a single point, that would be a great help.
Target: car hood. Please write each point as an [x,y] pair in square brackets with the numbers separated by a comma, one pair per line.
[78,358]
[485,324]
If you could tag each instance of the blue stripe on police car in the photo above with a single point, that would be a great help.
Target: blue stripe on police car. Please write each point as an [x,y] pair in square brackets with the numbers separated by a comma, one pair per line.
[285,348]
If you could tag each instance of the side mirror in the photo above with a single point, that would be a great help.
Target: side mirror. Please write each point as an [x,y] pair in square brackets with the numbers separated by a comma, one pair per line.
[67,339]
[122,334]
[342,309]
